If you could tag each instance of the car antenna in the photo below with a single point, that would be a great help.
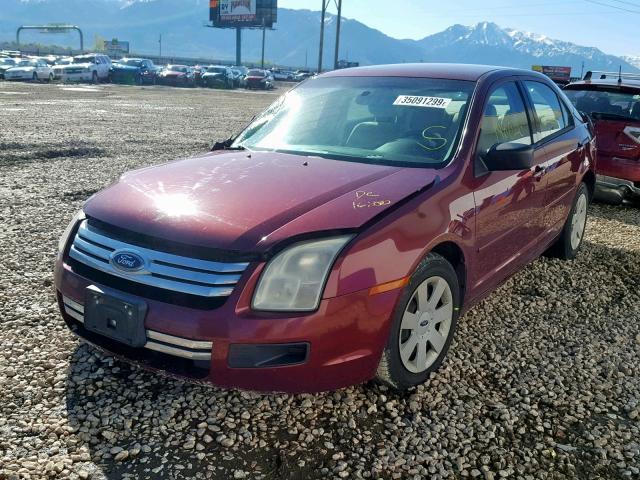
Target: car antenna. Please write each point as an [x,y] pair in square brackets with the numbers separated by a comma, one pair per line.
[620,75]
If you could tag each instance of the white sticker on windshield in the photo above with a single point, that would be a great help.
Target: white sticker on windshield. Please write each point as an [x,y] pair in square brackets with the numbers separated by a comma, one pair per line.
[415,101]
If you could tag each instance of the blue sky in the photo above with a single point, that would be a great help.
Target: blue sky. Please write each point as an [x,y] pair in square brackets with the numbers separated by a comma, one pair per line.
[611,25]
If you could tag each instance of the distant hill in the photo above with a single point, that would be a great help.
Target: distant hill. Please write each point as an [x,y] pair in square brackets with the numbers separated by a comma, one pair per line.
[294,42]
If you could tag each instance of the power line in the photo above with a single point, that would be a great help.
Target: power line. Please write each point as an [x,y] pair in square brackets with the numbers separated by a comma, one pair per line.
[595,2]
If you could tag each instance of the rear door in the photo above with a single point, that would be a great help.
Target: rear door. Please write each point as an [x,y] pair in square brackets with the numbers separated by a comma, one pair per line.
[509,204]
[565,147]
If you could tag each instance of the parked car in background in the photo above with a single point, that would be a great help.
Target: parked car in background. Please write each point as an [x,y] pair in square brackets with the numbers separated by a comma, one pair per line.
[240,75]
[59,65]
[259,79]
[177,76]
[218,76]
[612,100]
[86,68]
[340,236]
[282,74]
[301,75]
[134,70]
[35,69]
[5,64]
[198,70]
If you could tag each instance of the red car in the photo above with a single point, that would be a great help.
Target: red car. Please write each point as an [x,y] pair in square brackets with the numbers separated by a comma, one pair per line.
[340,236]
[176,76]
[613,102]
[259,79]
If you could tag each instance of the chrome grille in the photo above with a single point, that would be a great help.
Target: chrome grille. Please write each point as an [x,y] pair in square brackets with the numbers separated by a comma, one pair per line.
[161,270]
[160,342]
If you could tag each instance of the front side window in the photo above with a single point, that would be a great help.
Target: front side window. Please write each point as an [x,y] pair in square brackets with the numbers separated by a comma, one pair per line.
[552,117]
[505,119]
[388,120]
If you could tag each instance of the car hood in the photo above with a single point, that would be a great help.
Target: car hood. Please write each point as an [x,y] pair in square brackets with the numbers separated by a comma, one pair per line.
[249,202]
[124,68]
[77,65]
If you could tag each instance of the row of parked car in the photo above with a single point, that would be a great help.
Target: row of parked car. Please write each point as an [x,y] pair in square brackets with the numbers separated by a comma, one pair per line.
[100,68]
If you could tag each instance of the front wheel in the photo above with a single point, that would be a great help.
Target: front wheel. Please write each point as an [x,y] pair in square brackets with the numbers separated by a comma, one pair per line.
[423,325]
[35,77]
[572,235]
[51,78]
[94,78]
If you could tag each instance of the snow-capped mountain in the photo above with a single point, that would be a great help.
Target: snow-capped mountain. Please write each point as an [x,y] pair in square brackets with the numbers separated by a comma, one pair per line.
[633,60]
[294,42]
[486,42]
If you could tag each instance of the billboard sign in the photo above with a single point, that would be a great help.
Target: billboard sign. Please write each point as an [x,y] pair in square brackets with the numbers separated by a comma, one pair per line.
[557,74]
[243,13]
[116,47]
[238,10]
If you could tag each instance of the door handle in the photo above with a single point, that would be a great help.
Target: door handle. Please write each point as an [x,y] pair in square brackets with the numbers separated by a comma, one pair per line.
[538,172]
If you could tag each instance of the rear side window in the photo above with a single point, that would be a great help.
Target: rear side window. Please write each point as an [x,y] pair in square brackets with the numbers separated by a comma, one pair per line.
[553,116]
[505,119]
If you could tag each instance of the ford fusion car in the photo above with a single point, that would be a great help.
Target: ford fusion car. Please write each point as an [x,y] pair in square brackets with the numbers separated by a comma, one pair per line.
[340,236]
[613,102]
[259,79]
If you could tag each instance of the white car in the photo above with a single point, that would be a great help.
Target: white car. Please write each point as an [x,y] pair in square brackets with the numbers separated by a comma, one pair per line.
[58,67]
[30,69]
[86,68]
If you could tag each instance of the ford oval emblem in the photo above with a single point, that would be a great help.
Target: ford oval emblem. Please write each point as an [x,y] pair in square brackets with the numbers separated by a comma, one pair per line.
[127,261]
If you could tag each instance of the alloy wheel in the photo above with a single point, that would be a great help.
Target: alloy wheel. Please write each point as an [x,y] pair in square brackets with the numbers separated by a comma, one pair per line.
[426,324]
[579,221]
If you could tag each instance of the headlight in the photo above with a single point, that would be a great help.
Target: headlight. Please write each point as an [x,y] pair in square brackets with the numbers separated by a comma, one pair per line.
[294,279]
[62,243]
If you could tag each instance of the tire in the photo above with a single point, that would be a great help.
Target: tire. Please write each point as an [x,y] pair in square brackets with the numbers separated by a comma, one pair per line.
[94,78]
[433,287]
[51,78]
[35,77]
[570,240]
[138,80]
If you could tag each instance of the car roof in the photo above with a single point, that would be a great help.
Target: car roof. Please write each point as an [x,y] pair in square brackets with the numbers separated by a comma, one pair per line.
[605,82]
[452,71]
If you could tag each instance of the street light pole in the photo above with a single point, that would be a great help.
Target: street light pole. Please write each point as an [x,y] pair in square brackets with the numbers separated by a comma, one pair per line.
[264,32]
[324,13]
[160,42]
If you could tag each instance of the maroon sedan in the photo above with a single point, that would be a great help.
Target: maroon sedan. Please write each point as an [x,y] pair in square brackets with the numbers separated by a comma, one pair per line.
[340,236]
[613,102]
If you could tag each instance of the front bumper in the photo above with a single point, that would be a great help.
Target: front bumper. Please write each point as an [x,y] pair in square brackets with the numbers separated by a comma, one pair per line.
[76,77]
[345,337]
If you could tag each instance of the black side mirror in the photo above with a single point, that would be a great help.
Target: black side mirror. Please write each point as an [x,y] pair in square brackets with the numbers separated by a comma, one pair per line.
[509,156]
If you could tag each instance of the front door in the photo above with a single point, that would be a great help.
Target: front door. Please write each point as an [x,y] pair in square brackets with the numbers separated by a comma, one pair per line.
[509,204]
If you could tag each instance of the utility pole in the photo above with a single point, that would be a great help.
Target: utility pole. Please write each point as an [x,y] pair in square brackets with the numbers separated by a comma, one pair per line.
[337,55]
[238,46]
[264,33]
[160,42]
[325,3]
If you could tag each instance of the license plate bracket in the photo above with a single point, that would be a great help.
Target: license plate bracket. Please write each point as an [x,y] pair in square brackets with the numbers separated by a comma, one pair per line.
[115,315]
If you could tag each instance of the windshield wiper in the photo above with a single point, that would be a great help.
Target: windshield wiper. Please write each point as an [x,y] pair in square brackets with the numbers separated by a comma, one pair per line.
[226,145]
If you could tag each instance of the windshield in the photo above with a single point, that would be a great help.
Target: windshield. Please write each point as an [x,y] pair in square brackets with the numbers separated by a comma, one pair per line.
[7,61]
[64,61]
[255,73]
[84,59]
[215,70]
[27,63]
[131,63]
[408,121]
[612,104]
[177,68]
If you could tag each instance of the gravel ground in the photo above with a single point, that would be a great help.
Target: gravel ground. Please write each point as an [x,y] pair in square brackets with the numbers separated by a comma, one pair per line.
[543,379]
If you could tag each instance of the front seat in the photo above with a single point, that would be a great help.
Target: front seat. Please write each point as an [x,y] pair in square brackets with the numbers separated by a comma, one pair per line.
[373,134]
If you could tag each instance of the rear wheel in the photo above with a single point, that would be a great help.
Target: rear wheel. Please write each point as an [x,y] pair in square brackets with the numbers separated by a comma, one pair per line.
[423,325]
[35,77]
[94,77]
[572,235]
